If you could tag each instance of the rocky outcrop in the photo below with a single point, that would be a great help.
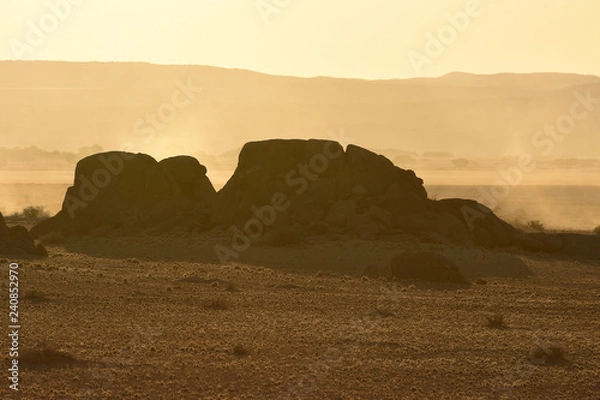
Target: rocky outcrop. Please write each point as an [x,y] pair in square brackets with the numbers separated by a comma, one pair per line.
[16,241]
[280,189]
[191,178]
[314,180]
[292,183]
[483,227]
[133,192]
[303,182]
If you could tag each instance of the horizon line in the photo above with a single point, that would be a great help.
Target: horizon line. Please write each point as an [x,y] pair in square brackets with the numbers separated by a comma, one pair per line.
[492,74]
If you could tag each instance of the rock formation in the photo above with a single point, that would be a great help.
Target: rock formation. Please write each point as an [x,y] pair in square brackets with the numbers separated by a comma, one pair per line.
[16,241]
[133,192]
[304,182]
[316,180]
[280,191]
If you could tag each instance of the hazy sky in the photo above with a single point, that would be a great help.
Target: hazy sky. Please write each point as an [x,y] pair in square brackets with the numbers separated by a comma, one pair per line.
[349,38]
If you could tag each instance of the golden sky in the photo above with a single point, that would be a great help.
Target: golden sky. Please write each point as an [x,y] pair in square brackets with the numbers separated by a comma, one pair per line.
[350,38]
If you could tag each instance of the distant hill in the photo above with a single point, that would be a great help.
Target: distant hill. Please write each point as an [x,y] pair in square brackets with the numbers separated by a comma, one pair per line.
[72,105]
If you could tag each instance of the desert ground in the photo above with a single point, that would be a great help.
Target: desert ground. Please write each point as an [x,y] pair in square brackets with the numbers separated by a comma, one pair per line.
[154,318]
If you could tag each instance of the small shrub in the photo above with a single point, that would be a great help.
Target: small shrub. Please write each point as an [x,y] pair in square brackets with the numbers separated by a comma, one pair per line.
[495,320]
[216,304]
[547,354]
[31,212]
[52,238]
[536,226]
[597,230]
[241,350]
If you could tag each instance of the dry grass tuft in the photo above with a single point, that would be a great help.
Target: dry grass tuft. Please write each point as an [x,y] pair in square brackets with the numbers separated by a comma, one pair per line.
[34,213]
[495,320]
[536,226]
[547,354]
[597,230]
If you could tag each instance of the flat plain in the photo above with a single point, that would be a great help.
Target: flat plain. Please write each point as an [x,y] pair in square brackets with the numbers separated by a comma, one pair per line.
[151,318]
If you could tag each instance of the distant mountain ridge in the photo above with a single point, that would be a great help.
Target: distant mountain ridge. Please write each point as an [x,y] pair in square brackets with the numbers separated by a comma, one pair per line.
[71,105]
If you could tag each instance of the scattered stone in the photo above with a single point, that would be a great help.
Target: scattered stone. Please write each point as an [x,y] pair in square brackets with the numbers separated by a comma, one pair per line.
[131,192]
[17,241]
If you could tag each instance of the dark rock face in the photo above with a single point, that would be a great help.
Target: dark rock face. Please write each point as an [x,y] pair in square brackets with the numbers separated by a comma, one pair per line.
[132,191]
[426,267]
[300,186]
[317,180]
[17,241]
[191,178]
[482,226]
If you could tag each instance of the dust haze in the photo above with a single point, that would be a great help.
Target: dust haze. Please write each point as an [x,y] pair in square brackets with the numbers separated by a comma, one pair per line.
[300,200]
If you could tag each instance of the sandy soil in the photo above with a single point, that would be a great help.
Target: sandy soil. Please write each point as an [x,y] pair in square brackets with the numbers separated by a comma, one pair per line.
[153,318]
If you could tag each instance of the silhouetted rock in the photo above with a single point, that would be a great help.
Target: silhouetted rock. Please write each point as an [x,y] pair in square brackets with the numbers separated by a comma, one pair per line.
[479,222]
[3,227]
[281,192]
[191,177]
[425,266]
[132,192]
[340,212]
[316,180]
[17,241]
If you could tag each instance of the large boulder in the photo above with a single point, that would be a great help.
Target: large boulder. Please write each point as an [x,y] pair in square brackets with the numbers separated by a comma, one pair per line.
[17,241]
[130,191]
[480,223]
[280,173]
[316,180]
[191,178]
[378,176]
